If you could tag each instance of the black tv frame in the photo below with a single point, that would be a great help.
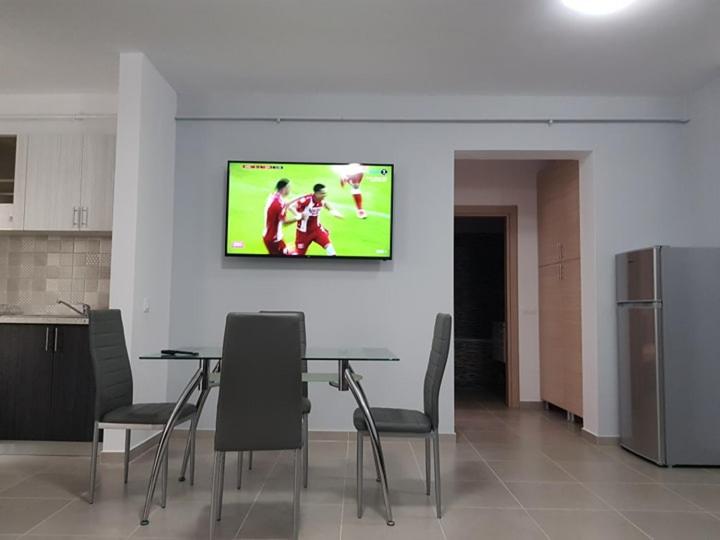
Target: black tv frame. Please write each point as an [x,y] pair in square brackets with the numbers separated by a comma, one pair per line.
[314,257]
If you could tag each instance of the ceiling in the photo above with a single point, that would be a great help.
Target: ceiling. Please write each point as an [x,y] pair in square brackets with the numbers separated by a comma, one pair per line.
[517,47]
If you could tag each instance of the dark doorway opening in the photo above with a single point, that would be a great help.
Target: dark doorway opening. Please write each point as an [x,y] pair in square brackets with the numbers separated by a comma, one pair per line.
[480,309]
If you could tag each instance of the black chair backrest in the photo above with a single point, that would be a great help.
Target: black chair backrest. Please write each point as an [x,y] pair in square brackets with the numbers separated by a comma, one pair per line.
[303,341]
[111,365]
[259,406]
[436,366]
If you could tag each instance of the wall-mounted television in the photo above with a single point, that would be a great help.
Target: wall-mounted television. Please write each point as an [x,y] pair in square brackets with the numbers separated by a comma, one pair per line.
[295,210]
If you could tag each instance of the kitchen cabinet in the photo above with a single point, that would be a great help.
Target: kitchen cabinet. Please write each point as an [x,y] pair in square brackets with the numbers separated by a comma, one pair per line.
[69,182]
[47,390]
[559,268]
[558,192]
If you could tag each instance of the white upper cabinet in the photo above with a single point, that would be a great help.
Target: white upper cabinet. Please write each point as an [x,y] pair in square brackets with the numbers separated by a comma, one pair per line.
[69,182]
[53,182]
[98,173]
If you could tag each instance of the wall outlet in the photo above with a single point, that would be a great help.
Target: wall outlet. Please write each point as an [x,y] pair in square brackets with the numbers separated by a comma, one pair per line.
[146,306]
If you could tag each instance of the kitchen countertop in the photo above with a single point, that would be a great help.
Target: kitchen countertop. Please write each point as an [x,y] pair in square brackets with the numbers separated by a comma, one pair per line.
[43,319]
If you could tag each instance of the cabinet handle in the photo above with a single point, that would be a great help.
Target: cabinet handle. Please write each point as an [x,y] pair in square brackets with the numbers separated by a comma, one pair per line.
[55,340]
[562,271]
[84,216]
[47,338]
[562,251]
[75,216]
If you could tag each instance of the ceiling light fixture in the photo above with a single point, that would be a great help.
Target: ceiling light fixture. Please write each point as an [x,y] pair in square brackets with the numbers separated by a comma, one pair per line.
[597,7]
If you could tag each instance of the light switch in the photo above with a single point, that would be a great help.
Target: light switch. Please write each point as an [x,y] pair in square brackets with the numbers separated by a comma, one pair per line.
[146,305]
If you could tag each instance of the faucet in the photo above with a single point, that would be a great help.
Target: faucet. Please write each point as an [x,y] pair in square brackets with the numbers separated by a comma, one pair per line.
[85,308]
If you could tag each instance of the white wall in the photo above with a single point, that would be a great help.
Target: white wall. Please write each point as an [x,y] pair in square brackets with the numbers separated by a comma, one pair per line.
[632,180]
[143,221]
[512,183]
[704,158]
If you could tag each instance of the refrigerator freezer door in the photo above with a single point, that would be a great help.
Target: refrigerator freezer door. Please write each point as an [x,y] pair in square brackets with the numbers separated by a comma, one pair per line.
[640,366]
[637,275]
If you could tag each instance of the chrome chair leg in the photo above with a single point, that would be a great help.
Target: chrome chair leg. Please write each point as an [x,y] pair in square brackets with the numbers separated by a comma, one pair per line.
[239,468]
[359,474]
[126,456]
[305,450]
[93,462]
[427,465]
[214,496]
[250,456]
[296,494]
[436,448]
[164,479]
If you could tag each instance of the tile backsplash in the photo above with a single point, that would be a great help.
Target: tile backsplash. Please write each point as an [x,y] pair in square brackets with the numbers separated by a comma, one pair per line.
[37,269]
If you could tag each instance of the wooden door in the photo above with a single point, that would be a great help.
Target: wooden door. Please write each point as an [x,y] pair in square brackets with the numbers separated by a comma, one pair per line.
[98,173]
[73,386]
[52,183]
[552,377]
[25,382]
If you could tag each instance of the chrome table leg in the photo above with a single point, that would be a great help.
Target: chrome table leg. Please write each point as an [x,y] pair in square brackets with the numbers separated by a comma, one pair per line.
[165,438]
[362,402]
[192,436]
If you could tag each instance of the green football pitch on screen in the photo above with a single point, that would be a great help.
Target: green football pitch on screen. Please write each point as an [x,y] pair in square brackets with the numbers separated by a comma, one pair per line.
[363,227]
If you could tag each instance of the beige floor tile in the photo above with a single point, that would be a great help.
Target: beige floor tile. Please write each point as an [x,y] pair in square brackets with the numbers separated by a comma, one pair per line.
[675,525]
[190,520]
[574,451]
[274,520]
[706,496]
[69,537]
[676,475]
[408,500]
[532,470]
[586,525]
[472,524]
[596,471]
[50,485]
[18,516]
[105,517]
[493,437]
[10,479]
[510,453]
[641,497]
[544,495]
[404,529]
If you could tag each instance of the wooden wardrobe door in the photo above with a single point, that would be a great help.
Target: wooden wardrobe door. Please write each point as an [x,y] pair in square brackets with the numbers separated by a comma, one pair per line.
[571,318]
[552,376]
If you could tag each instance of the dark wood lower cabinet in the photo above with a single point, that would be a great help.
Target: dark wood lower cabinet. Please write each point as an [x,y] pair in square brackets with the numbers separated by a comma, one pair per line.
[47,390]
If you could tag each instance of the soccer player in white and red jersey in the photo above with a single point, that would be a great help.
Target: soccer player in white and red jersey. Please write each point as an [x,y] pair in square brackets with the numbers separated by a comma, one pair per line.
[309,229]
[275,217]
[352,175]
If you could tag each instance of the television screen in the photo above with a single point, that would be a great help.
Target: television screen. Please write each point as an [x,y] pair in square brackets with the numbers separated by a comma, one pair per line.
[309,209]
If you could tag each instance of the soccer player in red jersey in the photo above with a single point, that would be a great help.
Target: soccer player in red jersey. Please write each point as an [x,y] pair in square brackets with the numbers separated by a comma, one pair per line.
[352,175]
[309,229]
[275,217]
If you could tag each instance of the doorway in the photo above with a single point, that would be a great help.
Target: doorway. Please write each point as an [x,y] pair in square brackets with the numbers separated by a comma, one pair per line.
[486,361]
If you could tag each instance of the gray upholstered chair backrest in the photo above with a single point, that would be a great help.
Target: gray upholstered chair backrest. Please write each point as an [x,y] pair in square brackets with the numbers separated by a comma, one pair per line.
[436,366]
[259,406]
[111,365]
[303,341]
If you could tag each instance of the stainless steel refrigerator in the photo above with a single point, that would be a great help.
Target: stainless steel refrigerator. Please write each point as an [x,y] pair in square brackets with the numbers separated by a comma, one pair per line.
[668,314]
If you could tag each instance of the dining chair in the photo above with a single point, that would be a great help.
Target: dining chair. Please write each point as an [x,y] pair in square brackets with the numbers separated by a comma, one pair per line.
[114,407]
[413,423]
[260,401]
[306,405]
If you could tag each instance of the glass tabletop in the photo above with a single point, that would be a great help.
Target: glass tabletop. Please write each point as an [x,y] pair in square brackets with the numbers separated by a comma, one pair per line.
[354,354]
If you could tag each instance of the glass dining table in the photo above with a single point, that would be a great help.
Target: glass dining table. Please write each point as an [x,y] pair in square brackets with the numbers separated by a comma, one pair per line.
[207,376]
